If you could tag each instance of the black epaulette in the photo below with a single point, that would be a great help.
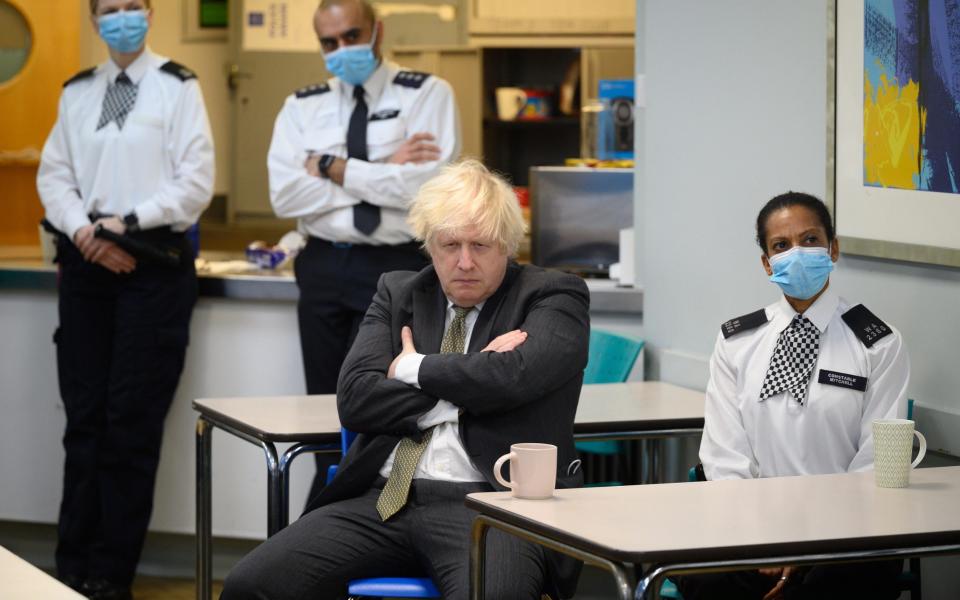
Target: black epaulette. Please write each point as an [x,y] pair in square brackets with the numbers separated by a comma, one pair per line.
[312,90]
[744,323]
[865,325]
[84,74]
[177,70]
[411,79]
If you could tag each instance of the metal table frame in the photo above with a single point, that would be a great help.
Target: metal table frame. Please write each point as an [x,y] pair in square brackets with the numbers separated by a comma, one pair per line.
[278,485]
[648,586]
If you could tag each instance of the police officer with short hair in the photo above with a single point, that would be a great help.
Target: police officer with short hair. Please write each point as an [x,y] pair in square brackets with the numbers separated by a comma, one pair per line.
[346,159]
[794,388]
[131,152]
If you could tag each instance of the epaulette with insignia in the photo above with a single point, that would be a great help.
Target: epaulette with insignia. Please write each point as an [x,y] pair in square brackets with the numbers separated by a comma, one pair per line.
[84,74]
[411,79]
[744,323]
[177,70]
[312,90]
[865,325]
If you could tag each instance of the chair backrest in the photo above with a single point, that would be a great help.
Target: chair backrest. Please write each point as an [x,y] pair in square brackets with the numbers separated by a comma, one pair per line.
[346,438]
[611,357]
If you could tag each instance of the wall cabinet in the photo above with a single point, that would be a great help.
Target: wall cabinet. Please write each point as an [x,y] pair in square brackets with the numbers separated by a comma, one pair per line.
[546,17]
[512,147]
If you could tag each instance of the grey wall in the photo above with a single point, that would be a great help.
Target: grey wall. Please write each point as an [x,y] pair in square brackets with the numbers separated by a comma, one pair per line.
[736,113]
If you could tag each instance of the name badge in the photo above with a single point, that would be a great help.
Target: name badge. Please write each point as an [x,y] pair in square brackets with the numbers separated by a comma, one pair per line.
[844,380]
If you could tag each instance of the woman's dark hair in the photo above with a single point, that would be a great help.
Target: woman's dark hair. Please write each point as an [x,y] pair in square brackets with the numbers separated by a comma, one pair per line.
[812,203]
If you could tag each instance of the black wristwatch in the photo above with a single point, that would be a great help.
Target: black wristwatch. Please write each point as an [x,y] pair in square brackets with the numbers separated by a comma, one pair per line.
[131,221]
[323,165]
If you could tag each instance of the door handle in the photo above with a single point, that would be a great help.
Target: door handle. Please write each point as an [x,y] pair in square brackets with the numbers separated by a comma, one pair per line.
[234,75]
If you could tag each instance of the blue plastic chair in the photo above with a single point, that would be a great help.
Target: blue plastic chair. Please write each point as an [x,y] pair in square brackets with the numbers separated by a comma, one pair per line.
[610,360]
[382,587]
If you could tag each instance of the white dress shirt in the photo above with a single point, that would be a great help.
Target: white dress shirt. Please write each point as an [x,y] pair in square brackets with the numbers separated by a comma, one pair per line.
[160,165]
[444,458]
[830,432]
[315,120]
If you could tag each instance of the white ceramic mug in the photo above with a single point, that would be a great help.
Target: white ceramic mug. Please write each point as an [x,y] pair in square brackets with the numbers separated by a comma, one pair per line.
[510,101]
[533,470]
[892,446]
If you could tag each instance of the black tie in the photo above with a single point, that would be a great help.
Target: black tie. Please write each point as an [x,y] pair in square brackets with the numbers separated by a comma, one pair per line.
[366,216]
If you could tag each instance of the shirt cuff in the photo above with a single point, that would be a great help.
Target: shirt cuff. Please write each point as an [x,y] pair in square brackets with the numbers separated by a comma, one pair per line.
[442,412]
[355,177]
[73,221]
[149,215]
[408,370]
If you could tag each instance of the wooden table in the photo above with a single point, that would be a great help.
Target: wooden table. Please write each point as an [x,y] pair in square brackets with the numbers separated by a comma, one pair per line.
[636,410]
[20,579]
[311,422]
[735,524]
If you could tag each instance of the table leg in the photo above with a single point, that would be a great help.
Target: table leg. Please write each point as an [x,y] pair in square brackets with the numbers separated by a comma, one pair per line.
[274,488]
[481,525]
[204,526]
[286,459]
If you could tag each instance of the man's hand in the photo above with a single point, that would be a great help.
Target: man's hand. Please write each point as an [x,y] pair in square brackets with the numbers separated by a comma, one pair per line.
[416,149]
[312,164]
[511,340]
[783,575]
[406,338]
[104,253]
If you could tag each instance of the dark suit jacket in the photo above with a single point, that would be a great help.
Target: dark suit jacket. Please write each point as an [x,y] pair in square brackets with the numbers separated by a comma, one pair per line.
[526,395]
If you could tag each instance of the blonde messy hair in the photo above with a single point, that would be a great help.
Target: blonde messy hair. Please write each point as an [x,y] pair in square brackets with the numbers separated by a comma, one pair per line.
[466,194]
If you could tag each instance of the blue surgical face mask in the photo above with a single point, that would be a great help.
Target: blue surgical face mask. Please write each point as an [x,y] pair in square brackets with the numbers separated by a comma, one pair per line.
[801,272]
[353,64]
[124,30]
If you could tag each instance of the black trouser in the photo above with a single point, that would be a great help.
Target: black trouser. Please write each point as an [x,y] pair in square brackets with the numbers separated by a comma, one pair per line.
[337,283]
[317,555]
[876,580]
[120,350]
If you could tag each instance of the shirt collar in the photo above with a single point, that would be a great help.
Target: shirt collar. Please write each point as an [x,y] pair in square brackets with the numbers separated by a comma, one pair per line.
[819,313]
[478,306]
[135,71]
[372,87]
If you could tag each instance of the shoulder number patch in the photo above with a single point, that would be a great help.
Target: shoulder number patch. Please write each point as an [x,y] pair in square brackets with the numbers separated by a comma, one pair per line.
[84,74]
[744,323]
[845,380]
[411,79]
[865,325]
[312,90]
[177,70]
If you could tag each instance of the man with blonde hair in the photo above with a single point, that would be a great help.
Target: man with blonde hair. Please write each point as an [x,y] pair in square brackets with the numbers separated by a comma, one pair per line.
[452,365]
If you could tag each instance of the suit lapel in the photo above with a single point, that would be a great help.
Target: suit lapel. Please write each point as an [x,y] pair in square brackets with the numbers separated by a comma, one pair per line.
[483,328]
[429,315]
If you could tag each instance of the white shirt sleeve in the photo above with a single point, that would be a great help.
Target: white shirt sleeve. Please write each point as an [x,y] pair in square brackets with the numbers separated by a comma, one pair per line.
[725,449]
[885,396]
[393,185]
[294,193]
[56,180]
[408,371]
[190,147]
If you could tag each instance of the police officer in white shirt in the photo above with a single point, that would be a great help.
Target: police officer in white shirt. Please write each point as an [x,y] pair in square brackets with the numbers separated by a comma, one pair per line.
[346,159]
[793,390]
[130,152]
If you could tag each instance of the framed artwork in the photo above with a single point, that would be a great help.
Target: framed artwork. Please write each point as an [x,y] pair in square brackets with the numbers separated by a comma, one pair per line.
[896,134]
[205,20]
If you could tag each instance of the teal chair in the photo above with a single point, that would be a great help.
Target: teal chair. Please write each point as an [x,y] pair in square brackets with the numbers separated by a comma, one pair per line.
[610,360]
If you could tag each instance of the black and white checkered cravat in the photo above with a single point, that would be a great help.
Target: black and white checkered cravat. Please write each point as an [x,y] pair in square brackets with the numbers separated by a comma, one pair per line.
[793,360]
[395,491]
[118,101]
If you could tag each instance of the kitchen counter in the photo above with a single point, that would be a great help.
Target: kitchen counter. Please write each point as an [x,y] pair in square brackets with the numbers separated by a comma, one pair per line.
[222,275]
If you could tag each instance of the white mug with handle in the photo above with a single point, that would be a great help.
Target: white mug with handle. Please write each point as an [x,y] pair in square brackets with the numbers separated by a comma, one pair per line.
[892,446]
[533,470]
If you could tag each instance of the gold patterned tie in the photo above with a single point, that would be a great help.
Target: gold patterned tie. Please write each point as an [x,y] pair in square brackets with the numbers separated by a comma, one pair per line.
[395,491]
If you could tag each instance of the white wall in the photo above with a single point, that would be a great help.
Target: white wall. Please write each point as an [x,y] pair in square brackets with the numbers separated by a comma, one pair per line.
[736,114]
